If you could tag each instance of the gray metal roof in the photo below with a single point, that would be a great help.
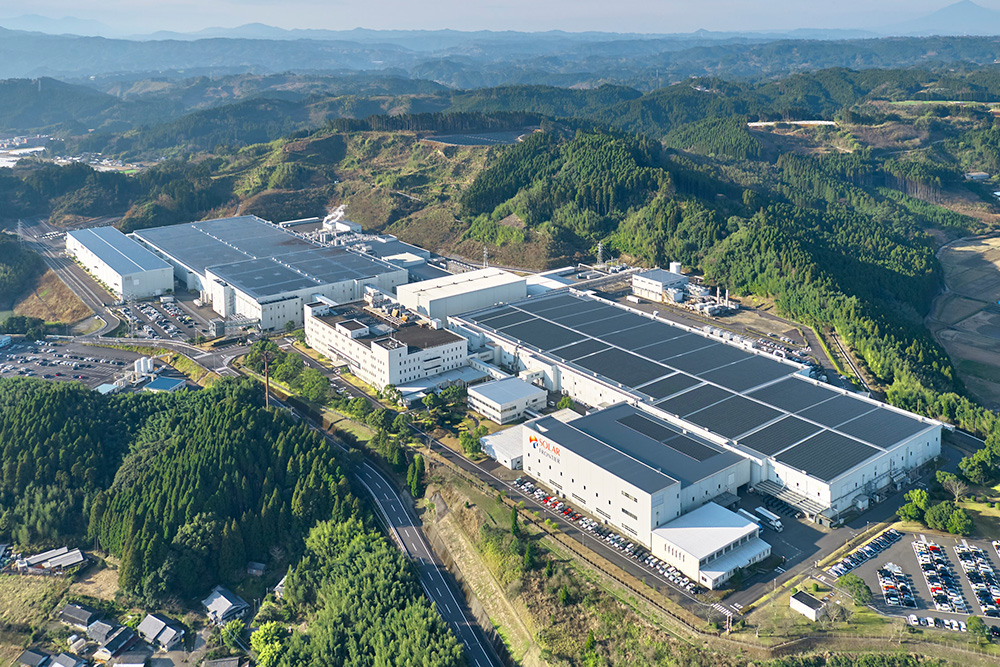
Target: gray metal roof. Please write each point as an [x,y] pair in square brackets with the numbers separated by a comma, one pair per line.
[118,251]
[506,390]
[827,455]
[641,449]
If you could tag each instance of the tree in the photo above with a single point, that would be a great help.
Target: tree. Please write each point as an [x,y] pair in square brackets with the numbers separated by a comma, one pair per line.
[379,420]
[956,487]
[232,635]
[433,403]
[565,403]
[591,642]
[977,628]
[919,498]
[564,595]
[856,588]
[549,569]
[392,394]
[289,326]
[470,443]
[415,476]
[960,523]
[267,643]
[401,423]
[515,526]
[529,556]
[910,512]
[937,516]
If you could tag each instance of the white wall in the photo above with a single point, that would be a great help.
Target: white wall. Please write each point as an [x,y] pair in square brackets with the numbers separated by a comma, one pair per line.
[139,285]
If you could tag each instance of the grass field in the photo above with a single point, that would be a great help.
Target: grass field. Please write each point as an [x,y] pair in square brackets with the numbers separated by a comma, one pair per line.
[52,301]
[26,602]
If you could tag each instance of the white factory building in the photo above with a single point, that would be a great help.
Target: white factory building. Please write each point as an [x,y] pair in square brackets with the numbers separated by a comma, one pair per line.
[710,544]
[127,269]
[821,449]
[443,297]
[250,269]
[629,468]
[380,349]
[654,284]
[505,401]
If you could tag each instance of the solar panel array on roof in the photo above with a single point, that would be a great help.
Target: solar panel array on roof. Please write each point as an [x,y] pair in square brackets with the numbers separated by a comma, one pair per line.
[780,435]
[645,355]
[733,416]
[827,455]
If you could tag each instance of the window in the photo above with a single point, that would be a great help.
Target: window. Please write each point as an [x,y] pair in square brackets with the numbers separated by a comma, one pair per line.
[630,514]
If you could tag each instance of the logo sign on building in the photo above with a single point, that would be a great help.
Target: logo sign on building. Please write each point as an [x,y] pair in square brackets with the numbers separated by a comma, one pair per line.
[544,447]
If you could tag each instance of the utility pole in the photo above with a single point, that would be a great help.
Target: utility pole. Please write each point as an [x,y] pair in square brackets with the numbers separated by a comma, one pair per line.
[600,253]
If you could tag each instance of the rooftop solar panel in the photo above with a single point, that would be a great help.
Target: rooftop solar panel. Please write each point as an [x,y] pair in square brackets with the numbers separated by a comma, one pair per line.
[780,435]
[496,313]
[689,447]
[837,410]
[669,386]
[645,334]
[589,316]
[507,319]
[571,310]
[883,428]
[543,335]
[705,359]
[581,349]
[751,372]
[695,399]
[827,455]
[539,306]
[623,367]
[793,394]
[647,427]
[733,416]
[671,348]
[607,325]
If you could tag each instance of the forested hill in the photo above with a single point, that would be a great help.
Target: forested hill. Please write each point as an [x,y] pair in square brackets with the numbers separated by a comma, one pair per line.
[186,488]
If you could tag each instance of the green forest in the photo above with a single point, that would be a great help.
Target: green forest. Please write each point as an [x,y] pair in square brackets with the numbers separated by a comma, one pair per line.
[186,488]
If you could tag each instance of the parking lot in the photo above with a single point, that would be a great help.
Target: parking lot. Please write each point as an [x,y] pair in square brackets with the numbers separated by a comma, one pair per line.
[938,573]
[149,319]
[64,361]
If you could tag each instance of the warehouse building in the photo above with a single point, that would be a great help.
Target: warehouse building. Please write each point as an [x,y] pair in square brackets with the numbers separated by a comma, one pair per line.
[381,349]
[820,449]
[630,468]
[710,544]
[443,297]
[505,447]
[653,284]
[251,269]
[127,269]
[506,401]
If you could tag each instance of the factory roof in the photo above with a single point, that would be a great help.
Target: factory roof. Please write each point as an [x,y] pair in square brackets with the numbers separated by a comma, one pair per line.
[637,447]
[382,333]
[661,275]
[706,530]
[259,258]
[118,251]
[165,384]
[305,269]
[459,283]
[759,403]
[507,390]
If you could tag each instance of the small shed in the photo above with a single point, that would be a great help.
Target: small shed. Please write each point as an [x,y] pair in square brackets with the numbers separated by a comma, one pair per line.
[256,569]
[807,605]
[165,384]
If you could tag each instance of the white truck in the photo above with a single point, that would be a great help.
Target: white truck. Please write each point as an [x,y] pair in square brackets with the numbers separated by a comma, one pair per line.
[748,516]
[770,518]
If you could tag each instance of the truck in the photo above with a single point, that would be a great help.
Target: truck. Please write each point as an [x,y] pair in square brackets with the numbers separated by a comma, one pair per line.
[748,516]
[770,518]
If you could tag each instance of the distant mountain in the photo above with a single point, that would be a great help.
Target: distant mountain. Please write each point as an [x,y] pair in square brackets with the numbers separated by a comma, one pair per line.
[961,18]
[67,25]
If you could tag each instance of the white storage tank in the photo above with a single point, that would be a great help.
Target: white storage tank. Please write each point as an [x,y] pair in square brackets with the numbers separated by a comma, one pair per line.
[675,267]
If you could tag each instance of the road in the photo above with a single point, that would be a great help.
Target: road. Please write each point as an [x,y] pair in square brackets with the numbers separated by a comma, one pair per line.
[217,360]
[75,278]
[434,577]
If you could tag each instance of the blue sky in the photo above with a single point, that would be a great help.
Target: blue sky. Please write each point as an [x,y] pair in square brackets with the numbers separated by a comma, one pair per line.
[620,15]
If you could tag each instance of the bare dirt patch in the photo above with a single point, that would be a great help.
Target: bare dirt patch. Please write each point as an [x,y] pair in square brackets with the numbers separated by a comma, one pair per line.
[52,301]
[98,583]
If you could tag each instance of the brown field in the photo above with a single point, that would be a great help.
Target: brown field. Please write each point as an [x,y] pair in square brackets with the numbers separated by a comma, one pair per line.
[52,301]
[965,319]
[97,583]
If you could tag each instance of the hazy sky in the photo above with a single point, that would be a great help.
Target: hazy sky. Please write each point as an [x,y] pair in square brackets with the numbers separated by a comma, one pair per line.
[575,15]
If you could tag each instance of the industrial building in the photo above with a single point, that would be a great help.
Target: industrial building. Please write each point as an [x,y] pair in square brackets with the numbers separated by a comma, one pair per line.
[381,348]
[505,447]
[506,401]
[710,544]
[127,269]
[807,605]
[250,269]
[820,449]
[656,284]
[630,468]
[450,295]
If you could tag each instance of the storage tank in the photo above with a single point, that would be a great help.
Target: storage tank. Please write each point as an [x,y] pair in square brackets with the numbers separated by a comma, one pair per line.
[675,267]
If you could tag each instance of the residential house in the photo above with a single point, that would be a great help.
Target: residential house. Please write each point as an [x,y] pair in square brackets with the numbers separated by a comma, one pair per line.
[67,660]
[227,662]
[120,639]
[160,631]
[279,588]
[133,659]
[78,615]
[222,605]
[34,657]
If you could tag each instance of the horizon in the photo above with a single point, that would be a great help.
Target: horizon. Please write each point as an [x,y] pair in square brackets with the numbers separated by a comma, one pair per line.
[123,19]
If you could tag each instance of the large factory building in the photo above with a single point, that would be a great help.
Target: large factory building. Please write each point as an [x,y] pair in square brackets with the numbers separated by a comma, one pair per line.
[127,269]
[250,268]
[820,449]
